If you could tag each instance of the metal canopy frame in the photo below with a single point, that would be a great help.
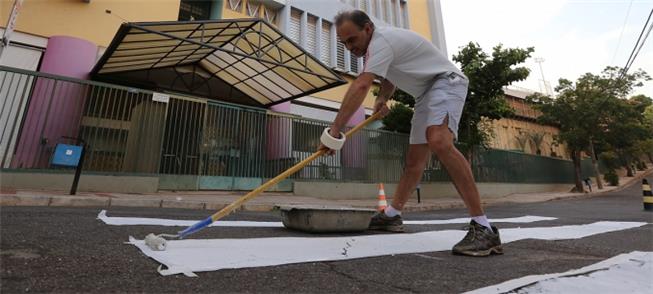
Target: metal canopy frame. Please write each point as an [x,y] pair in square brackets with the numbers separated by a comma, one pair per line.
[251,56]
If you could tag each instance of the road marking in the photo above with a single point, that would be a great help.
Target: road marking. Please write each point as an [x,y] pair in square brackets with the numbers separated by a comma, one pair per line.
[189,256]
[625,273]
[131,221]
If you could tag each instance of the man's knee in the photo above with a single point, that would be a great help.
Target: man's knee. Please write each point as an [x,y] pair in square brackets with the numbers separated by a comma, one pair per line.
[440,141]
[414,167]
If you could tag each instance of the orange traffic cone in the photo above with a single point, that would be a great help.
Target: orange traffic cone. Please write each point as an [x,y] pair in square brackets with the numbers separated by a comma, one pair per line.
[382,204]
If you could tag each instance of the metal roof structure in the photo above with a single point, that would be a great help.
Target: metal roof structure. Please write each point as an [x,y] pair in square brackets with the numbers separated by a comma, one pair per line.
[245,61]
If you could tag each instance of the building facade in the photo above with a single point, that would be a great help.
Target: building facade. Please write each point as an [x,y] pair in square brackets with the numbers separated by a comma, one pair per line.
[193,141]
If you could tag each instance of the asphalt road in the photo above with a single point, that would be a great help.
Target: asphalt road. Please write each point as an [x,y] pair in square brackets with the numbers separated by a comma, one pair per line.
[47,249]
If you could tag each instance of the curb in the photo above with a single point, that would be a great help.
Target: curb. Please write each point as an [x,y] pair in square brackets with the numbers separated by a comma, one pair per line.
[600,193]
[83,201]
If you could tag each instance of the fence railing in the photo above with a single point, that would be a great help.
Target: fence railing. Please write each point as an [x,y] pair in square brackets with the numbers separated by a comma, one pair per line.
[129,132]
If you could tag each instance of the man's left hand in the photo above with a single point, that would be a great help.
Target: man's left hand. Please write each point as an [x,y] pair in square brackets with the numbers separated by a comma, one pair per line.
[334,133]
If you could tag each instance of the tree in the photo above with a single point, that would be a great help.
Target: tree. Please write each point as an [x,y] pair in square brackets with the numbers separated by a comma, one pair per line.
[626,129]
[401,112]
[398,119]
[487,74]
[537,139]
[590,112]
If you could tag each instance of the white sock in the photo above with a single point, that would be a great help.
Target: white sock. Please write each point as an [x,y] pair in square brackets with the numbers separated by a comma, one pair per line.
[482,220]
[391,211]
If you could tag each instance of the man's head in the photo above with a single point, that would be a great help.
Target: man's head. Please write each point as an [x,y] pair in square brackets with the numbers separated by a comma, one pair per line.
[354,29]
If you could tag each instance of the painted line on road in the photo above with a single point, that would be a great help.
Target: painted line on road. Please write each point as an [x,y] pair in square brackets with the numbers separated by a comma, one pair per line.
[132,221]
[624,273]
[190,256]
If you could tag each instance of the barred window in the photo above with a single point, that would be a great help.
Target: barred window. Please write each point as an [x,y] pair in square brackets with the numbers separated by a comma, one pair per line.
[325,43]
[364,7]
[253,9]
[340,56]
[236,5]
[404,13]
[194,10]
[295,25]
[353,63]
[311,34]
[270,15]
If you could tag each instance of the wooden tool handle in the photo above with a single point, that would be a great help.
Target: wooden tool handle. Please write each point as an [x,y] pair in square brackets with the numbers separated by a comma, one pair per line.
[234,205]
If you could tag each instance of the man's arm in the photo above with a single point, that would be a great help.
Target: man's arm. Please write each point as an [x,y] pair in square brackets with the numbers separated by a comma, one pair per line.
[386,91]
[353,99]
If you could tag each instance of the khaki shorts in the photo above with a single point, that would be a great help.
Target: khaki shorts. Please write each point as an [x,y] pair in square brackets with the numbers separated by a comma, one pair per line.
[445,97]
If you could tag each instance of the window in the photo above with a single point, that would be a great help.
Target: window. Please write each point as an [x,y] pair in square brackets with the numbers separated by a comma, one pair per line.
[395,13]
[387,10]
[353,63]
[253,9]
[404,13]
[311,34]
[363,6]
[295,25]
[194,10]
[340,56]
[325,43]
[270,15]
[376,8]
[236,5]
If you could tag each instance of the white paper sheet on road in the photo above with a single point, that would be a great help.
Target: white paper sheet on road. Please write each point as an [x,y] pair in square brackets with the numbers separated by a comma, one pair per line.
[130,221]
[625,273]
[133,221]
[189,256]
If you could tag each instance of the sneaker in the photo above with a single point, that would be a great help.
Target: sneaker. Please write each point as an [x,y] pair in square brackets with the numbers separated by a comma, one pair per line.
[380,221]
[479,241]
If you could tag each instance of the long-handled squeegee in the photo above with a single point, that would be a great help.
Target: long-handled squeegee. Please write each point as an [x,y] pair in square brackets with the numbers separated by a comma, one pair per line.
[158,242]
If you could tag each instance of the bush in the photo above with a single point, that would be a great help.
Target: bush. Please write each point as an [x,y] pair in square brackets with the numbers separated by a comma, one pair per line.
[641,165]
[610,160]
[611,178]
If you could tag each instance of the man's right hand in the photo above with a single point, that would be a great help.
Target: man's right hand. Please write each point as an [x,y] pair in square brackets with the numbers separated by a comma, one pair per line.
[381,105]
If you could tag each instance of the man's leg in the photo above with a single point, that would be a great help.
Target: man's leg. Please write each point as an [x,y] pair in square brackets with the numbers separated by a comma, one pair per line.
[390,219]
[416,159]
[440,141]
[481,239]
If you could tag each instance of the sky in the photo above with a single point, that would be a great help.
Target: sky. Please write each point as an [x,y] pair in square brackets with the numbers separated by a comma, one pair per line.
[572,36]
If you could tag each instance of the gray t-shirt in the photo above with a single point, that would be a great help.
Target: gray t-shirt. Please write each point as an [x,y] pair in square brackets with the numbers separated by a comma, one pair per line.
[406,59]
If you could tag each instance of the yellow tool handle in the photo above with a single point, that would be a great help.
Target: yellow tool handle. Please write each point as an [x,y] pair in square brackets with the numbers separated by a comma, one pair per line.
[234,205]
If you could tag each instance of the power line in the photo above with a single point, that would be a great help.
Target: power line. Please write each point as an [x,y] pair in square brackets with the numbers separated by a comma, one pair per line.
[630,58]
[640,46]
[623,27]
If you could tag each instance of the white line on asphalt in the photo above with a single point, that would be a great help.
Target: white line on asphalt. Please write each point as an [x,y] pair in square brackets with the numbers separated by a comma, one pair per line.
[625,273]
[131,221]
[189,256]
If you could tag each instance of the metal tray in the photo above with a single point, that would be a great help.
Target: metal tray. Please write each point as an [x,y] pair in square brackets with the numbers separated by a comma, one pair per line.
[325,219]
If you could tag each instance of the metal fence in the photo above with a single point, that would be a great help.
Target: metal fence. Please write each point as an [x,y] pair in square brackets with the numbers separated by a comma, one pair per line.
[129,132]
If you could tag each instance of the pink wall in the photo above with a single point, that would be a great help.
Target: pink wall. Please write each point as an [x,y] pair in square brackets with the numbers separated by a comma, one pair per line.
[279,133]
[55,107]
[354,153]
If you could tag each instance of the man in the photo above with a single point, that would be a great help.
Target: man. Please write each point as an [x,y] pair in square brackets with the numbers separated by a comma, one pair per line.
[402,58]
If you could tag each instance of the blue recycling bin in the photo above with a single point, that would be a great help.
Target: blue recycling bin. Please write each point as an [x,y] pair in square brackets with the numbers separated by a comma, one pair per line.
[67,155]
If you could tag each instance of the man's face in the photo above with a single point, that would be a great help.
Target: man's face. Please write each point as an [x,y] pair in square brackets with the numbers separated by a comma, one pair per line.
[354,38]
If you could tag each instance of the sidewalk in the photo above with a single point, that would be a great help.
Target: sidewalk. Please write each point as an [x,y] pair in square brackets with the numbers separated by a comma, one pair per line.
[215,200]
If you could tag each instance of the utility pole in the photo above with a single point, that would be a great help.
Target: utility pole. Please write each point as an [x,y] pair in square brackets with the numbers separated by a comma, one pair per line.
[545,84]
[11,24]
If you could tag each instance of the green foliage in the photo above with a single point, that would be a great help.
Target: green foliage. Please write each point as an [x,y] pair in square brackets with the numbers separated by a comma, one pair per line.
[401,113]
[610,160]
[398,119]
[641,165]
[487,74]
[593,108]
[611,178]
